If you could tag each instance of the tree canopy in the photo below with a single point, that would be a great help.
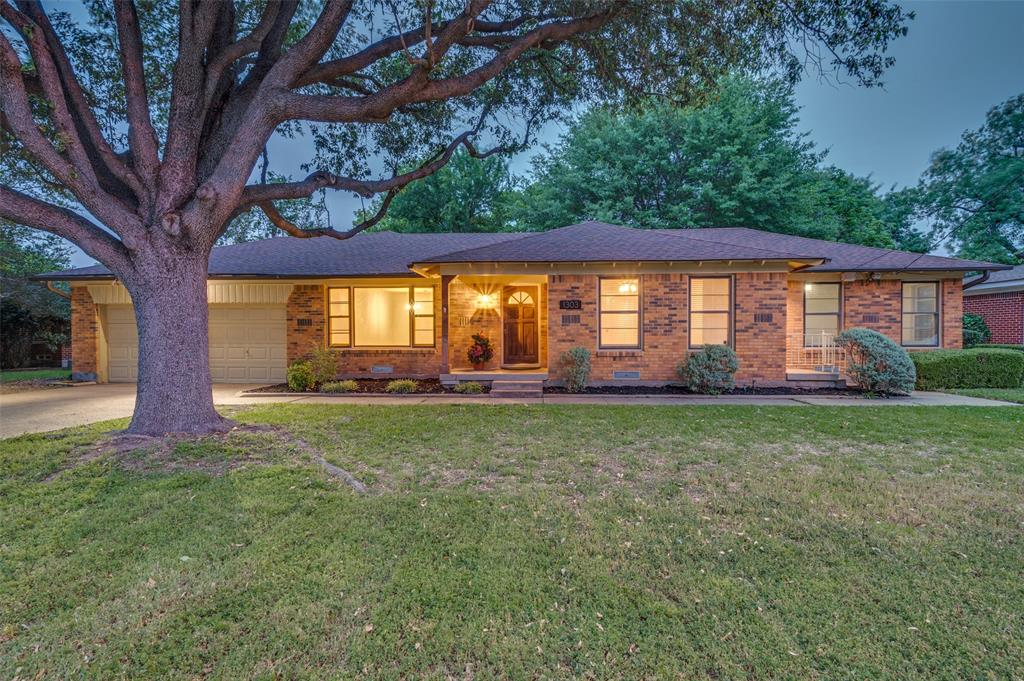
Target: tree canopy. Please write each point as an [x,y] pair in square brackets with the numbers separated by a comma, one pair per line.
[974,194]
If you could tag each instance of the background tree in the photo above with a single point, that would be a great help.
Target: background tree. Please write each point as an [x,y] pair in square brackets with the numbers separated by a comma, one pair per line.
[28,311]
[135,135]
[468,195]
[974,194]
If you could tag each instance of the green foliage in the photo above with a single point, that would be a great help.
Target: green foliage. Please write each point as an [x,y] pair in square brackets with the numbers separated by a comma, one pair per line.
[976,331]
[974,194]
[1005,346]
[468,388]
[323,364]
[711,370]
[300,377]
[402,385]
[480,351]
[972,368]
[876,363]
[576,368]
[467,195]
[347,386]
[736,160]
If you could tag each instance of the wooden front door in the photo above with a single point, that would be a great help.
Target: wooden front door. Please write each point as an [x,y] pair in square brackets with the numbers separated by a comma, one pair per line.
[519,319]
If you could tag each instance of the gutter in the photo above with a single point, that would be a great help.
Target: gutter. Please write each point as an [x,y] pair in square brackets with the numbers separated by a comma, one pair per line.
[980,280]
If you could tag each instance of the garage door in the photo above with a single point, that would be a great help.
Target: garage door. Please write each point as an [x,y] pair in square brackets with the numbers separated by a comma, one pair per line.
[247,344]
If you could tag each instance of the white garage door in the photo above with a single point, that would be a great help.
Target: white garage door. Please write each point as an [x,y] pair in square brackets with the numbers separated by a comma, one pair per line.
[247,344]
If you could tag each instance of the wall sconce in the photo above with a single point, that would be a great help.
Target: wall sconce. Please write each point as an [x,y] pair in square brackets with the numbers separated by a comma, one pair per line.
[485,301]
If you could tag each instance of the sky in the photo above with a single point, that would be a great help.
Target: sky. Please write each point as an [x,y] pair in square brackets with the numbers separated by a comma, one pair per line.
[959,60]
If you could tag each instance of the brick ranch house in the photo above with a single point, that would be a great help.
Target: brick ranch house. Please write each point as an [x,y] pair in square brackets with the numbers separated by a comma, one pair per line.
[999,299]
[406,305]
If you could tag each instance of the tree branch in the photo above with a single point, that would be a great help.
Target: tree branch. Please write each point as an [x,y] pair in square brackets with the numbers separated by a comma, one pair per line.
[142,141]
[292,230]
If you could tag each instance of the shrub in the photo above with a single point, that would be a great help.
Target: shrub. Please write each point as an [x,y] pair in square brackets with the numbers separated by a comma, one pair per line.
[300,377]
[469,388]
[876,363]
[576,368]
[346,386]
[323,364]
[711,370]
[975,330]
[1004,346]
[481,351]
[402,385]
[972,368]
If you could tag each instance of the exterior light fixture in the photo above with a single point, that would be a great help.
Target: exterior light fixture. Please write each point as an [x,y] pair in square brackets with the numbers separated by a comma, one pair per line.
[485,300]
[808,287]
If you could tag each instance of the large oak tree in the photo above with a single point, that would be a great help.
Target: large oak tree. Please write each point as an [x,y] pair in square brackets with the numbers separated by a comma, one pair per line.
[136,132]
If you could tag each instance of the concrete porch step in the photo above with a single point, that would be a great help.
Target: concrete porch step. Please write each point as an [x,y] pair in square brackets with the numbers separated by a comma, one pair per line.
[517,388]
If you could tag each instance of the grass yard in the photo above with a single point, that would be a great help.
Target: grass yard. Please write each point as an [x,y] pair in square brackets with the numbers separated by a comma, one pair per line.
[1005,394]
[524,542]
[15,376]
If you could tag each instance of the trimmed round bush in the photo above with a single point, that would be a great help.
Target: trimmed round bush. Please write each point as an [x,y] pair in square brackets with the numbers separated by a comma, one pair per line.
[402,385]
[469,388]
[711,370]
[300,377]
[972,368]
[876,363]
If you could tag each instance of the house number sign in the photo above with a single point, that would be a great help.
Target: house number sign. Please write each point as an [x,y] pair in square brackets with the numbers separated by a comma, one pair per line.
[570,304]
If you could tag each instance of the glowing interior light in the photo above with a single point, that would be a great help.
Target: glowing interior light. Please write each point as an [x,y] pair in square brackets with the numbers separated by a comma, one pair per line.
[808,287]
[414,307]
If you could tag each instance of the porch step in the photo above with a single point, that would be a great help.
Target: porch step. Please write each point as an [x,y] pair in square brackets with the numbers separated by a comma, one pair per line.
[517,388]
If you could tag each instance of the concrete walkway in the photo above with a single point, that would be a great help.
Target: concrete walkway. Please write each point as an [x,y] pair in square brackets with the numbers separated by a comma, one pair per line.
[38,411]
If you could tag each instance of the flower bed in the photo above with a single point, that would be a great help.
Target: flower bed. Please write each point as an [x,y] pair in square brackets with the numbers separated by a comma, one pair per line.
[369,386]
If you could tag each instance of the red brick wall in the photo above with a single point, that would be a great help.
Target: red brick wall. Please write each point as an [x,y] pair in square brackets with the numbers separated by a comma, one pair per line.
[952,311]
[307,301]
[84,332]
[761,344]
[1003,313]
[465,319]
[881,299]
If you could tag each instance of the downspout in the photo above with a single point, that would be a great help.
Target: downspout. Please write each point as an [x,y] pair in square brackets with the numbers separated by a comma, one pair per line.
[980,280]
[54,289]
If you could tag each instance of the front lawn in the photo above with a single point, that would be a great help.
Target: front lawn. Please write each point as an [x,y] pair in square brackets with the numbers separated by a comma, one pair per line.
[17,375]
[1005,394]
[522,542]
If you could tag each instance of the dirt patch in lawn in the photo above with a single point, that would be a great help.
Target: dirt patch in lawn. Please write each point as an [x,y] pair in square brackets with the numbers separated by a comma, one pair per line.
[35,384]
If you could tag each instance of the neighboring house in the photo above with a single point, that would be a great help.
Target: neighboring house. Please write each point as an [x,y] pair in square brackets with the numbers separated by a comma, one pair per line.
[999,299]
[639,300]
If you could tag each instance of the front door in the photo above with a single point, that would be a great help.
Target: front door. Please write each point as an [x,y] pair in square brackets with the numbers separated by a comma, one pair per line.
[519,308]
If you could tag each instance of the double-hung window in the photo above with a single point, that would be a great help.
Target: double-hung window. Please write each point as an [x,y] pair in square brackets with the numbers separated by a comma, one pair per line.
[620,313]
[821,313]
[920,313]
[710,314]
[377,317]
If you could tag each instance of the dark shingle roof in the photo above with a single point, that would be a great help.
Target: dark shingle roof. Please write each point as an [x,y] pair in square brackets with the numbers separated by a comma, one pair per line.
[601,242]
[371,254]
[1012,274]
[390,254]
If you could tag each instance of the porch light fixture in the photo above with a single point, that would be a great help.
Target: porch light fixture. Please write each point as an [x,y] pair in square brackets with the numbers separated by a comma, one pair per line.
[485,300]
[808,287]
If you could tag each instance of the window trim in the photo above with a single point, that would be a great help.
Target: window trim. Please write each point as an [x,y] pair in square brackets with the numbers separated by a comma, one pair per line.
[639,314]
[838,313]
[937,314]
[730,338]
[411,345]
[327,313]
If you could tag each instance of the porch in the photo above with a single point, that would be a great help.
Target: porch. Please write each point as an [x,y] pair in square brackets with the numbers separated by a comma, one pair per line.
[815,357]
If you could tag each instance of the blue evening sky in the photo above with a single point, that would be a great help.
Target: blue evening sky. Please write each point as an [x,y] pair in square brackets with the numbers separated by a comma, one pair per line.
[959,60]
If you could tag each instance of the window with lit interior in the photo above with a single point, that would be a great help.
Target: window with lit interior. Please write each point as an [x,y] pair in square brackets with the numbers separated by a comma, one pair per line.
[920,313]
[821,313]
[394,316]
[620,313]
[710,316]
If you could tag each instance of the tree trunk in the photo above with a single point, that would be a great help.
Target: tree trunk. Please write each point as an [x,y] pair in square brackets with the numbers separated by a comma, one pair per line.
[174,393]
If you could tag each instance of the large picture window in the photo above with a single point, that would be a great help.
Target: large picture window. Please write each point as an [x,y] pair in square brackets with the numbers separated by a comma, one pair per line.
[821,313]
[921,313]
[620,313]
[710,315]
[392,316]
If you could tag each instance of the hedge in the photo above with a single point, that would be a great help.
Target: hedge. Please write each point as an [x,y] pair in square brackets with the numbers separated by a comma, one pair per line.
[1004,346]
[972,368]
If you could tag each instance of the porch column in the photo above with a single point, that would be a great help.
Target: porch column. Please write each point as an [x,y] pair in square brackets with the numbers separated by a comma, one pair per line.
[446,279]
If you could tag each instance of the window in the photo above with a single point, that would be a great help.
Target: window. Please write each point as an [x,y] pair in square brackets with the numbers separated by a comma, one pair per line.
[396,316]
[620,313]
[921,313]
[339,328]
[821,313]
[710,316]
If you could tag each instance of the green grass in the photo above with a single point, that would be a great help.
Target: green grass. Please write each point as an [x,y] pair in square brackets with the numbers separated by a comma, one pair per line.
[1005,394]
[523,542]
[33,375]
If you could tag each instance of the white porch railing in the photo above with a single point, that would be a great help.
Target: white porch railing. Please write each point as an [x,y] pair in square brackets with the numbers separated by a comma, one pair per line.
[816,351]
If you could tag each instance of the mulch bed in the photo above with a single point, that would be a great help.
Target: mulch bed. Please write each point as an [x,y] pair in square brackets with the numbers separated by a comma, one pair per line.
[370,385]
[678,389]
